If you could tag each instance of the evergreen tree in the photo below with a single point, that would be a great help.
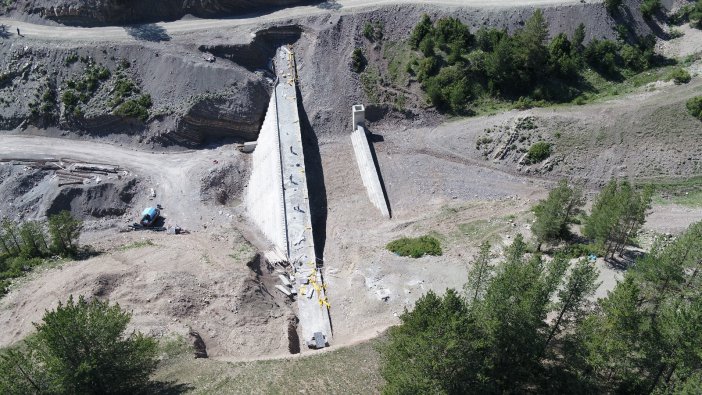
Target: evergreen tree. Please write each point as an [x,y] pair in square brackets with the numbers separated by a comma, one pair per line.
[555,214]
[617,215]
[80,348]
[64,231]
[479,275]
[423,28]
[430,351]
[579,38]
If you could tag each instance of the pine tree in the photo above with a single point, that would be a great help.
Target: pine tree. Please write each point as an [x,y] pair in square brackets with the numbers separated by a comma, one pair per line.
[64,231]
[479,275]
[555,214]
[80,348]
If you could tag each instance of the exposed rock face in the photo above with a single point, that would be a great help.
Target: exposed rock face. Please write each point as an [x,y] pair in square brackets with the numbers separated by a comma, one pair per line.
[232,114]
[115,12]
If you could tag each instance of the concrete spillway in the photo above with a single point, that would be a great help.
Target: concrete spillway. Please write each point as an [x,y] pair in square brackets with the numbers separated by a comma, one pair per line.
[277,200]
[366,164]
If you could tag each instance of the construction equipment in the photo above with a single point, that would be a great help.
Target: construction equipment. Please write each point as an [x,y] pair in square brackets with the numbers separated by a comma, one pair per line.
[150,220]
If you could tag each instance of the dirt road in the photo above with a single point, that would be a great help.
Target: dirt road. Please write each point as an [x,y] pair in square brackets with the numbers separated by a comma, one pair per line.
[117,33]
[171,175]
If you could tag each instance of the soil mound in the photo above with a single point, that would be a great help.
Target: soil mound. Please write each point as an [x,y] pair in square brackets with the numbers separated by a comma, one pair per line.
[97,201]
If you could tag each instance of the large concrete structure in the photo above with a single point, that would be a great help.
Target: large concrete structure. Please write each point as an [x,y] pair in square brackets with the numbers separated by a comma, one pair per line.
[264,195]
[277,200]
[366,164]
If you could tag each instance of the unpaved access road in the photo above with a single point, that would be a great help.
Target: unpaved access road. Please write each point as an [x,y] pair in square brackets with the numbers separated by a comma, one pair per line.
[174,176]
[117,33]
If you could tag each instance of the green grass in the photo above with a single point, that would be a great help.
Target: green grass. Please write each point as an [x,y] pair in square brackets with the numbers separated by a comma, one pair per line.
[603,89]
[686,192]
[399,55]
[349,370]
[136,244]
[416,247]
[370,81]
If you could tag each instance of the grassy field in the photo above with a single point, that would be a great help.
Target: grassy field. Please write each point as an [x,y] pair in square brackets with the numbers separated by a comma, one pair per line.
[349,370]
[685,192]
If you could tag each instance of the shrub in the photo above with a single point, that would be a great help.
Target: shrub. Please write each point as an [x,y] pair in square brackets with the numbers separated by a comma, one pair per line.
[612,5]
[694,106]
[650,7]
[415,247]
[69,98]
[603,55]
[71,58]
[695,15]
[358,61]
[423,28]
[64,231]
[680,76]
[135,108]
[373,31]
[539,151]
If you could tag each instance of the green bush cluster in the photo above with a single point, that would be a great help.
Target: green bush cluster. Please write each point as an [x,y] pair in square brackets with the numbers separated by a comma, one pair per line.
[373,31]
[415,247]
[81,90]
[25,246]
[457,67]
[688,13]
[680,76]
[135,108]
[694,106]
[539,151]
[358,61]
[613,5]
[71,58]
[650,7]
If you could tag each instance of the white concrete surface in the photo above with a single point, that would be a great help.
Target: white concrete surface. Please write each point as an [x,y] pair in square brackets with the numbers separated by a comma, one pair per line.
[369,173]
[264,194]
[313,312]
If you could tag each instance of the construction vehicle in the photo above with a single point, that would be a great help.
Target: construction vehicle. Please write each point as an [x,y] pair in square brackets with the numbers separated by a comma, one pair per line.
[149,216]
[150,220]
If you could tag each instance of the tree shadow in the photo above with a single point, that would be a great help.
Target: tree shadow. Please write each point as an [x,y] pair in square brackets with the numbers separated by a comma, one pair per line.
[625,260]
[169,388]
[148,32]
[329,5]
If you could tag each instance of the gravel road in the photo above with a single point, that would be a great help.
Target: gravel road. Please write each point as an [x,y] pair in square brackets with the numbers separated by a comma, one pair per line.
[117,33]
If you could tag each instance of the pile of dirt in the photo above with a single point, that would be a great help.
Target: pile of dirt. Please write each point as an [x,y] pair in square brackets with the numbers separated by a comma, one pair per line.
[107,199]
[32,194]
[117,12]
[223,183]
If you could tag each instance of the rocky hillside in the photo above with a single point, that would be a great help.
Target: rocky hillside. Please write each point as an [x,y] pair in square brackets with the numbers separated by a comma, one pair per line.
[184,89]
[117,12]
